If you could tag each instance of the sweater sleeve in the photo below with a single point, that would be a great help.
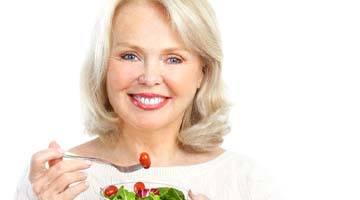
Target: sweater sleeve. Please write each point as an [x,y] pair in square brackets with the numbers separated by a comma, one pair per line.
[24,190]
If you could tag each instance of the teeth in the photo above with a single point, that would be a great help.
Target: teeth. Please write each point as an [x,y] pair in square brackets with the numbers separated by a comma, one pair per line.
[149,101]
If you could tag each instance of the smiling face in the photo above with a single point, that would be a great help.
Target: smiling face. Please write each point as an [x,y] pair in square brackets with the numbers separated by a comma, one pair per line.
[151,77]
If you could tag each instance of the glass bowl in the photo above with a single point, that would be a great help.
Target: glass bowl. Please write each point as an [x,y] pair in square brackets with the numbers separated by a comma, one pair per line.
[129,185]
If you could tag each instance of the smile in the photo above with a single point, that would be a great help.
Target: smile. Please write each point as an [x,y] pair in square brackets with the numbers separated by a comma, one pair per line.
[148,101]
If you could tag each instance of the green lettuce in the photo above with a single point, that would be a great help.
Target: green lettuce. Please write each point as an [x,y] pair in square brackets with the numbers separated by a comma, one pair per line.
[123,194]
[171,194]
[151,197]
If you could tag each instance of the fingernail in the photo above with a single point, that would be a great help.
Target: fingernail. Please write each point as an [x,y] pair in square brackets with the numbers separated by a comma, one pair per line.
[86,183]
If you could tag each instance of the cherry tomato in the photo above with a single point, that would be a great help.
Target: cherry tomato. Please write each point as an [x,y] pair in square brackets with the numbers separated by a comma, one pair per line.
[110,190]
[138,187]
[145,160]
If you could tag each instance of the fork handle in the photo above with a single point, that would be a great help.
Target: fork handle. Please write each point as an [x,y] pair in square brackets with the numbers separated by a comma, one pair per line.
[67,155]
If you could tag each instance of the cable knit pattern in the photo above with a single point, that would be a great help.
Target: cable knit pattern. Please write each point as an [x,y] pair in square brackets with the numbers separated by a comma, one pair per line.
[227,177]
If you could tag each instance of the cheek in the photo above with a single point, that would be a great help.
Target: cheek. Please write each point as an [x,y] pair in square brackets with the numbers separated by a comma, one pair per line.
[183,83]
[120,77]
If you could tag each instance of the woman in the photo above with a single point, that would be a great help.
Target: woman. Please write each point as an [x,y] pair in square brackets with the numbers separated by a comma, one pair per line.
[152,83]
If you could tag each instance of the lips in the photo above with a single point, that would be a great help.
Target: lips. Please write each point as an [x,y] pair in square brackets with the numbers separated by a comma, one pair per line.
[148,95]
[149,101]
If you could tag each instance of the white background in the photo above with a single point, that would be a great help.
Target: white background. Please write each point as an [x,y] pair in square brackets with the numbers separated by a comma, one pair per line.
[292,70]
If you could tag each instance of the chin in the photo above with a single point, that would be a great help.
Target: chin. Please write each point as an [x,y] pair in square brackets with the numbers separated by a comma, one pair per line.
[144,122]
[150,126]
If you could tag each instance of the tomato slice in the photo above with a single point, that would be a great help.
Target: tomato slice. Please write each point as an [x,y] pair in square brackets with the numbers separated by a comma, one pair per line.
[145,160]
[110,190]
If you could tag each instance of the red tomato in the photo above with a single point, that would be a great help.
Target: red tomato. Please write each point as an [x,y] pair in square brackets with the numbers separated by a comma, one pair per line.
[139,186]
[145,160]
[110,190]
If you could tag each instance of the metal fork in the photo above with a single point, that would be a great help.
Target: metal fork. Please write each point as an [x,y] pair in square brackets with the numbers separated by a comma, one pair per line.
[125,169]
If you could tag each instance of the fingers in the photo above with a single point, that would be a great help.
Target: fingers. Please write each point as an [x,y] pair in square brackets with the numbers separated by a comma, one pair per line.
[39,159]
[195,196]
[67,166]
[54,173]
[63,179]
[74,190]
[54,145]
[66,179]
[69,194]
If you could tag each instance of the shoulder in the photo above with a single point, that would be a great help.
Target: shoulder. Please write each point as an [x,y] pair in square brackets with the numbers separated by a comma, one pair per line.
[240,162]
[239,173]
[234,163]
[244,165]
[205,157]
[253,175]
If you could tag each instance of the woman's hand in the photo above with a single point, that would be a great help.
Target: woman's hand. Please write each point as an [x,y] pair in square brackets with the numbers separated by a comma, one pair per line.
[62,180]
[194,196]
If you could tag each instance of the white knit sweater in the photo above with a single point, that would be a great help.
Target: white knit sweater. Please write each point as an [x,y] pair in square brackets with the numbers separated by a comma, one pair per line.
[227,177]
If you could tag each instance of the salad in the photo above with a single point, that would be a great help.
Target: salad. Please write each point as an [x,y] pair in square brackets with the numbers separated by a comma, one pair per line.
[140,192]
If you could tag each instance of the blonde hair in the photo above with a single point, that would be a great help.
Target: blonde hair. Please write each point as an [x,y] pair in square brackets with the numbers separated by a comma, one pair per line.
[206,120]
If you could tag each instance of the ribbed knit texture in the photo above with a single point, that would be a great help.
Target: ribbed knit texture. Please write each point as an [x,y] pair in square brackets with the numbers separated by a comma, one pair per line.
[227,177]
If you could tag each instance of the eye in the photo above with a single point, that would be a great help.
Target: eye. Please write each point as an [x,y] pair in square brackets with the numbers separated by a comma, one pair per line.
[130,57]
[174,60]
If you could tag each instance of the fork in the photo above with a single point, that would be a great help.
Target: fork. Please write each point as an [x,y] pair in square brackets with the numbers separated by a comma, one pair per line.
[125,169]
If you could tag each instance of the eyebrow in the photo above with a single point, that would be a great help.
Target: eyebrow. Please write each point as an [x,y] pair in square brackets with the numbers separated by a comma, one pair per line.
[129,45]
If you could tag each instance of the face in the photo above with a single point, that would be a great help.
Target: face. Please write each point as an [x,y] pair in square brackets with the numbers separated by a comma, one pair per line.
[151,77]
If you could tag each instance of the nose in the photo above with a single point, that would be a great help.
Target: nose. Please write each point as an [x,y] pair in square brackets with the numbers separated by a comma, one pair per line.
[151,74]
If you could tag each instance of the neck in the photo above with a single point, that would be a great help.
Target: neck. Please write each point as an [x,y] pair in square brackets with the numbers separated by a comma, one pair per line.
[161,145]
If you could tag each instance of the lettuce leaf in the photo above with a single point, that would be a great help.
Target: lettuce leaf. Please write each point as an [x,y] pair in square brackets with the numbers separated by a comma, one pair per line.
[171,194]
[123,194]
[151,197]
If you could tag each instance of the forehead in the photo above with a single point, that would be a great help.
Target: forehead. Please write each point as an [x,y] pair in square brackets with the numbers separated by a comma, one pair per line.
[144,22]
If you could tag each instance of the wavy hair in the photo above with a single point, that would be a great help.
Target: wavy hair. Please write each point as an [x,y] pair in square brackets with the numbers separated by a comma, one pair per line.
[205,121]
